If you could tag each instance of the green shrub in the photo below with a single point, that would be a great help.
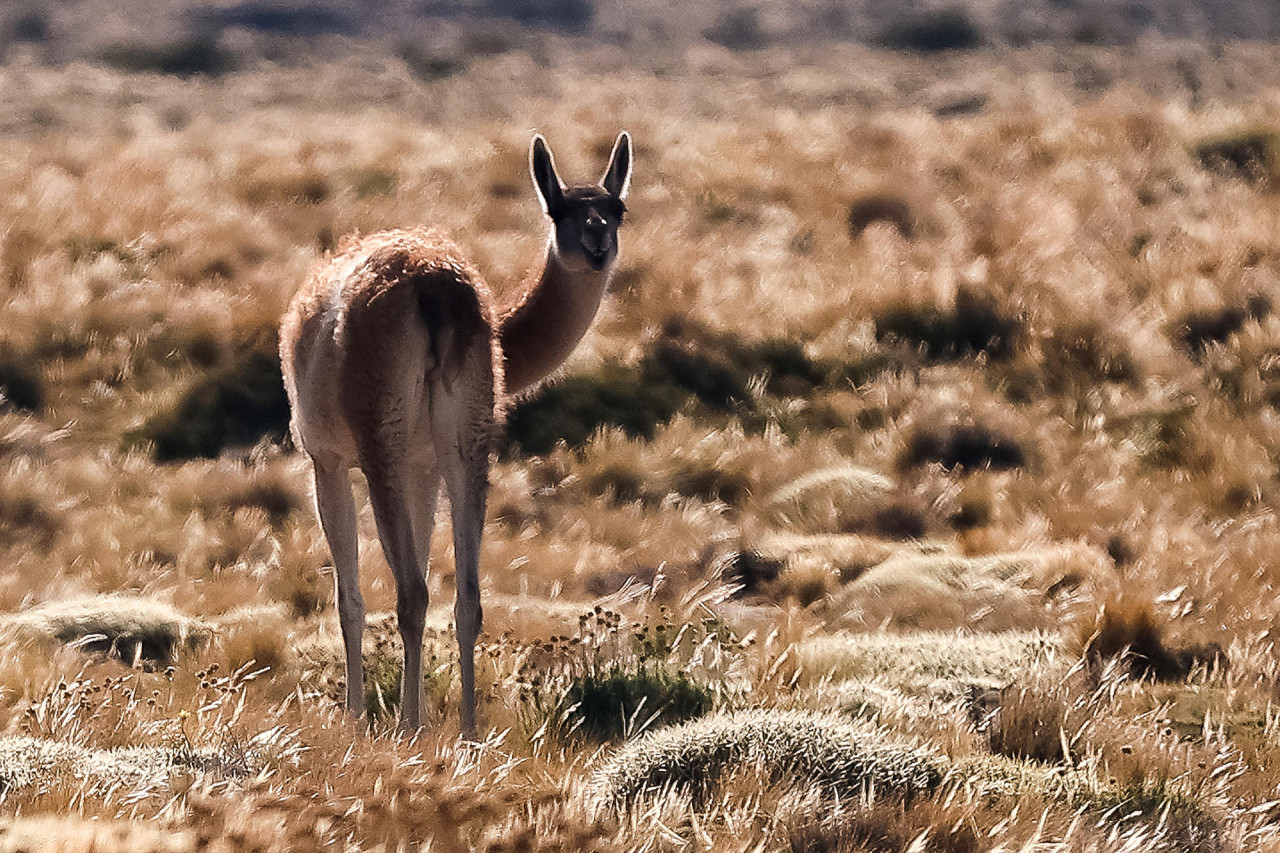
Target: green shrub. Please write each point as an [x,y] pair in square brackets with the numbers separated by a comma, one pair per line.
[952,28]
[801,749]
[237,404]
[612,704]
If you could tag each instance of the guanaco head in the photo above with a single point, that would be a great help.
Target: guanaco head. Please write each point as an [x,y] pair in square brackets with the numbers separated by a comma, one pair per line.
[586,216]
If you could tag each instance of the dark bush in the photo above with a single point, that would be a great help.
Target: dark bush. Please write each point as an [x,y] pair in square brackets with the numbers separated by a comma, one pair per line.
[711,378]
[881,207]
[1198,330]
[31,26]
[572,409]
[231,406]
[427,65]
[281,17]
[737,29]
[688,363]
[20,386]
[953,28]
[967,446]
[750,569]
[183,57]
[1128,629]
[716,367]
[1252,154]
[608,703]
[569,15]
[975,325]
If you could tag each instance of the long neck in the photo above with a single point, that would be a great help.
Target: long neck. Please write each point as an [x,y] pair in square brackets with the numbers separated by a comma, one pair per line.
[540,331]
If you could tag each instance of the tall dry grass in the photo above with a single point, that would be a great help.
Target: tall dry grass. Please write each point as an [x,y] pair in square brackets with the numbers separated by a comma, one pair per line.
[962,478]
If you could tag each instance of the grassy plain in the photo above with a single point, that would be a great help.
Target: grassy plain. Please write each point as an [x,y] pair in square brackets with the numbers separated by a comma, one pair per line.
[928,387]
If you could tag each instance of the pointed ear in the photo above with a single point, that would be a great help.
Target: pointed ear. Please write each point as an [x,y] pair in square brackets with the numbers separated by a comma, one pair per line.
[545,180]
[617,178]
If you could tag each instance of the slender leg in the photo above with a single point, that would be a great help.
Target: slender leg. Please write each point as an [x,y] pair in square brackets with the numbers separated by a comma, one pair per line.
[466,472]
[424,492]
[337,514]
[389,494]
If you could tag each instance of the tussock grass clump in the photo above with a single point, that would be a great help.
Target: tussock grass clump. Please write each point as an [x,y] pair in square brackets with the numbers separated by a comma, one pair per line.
[940,590]
[847,499]
[687,366]
[28,517]
[1031,722]
[751,571]
[237,404]
[798,748]
[718,367]
[27,761]
[135,630]
[938,664]
[1252,153]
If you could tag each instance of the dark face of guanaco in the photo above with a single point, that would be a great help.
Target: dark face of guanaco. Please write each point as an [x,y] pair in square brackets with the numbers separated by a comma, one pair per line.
[586,216]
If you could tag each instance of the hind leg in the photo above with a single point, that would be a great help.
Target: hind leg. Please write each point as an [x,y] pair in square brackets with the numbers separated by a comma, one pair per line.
[463,444]
[337,514]
[389,493]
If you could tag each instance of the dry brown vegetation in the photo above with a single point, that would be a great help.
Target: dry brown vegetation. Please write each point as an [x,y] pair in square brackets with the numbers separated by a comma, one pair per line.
[936,395]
